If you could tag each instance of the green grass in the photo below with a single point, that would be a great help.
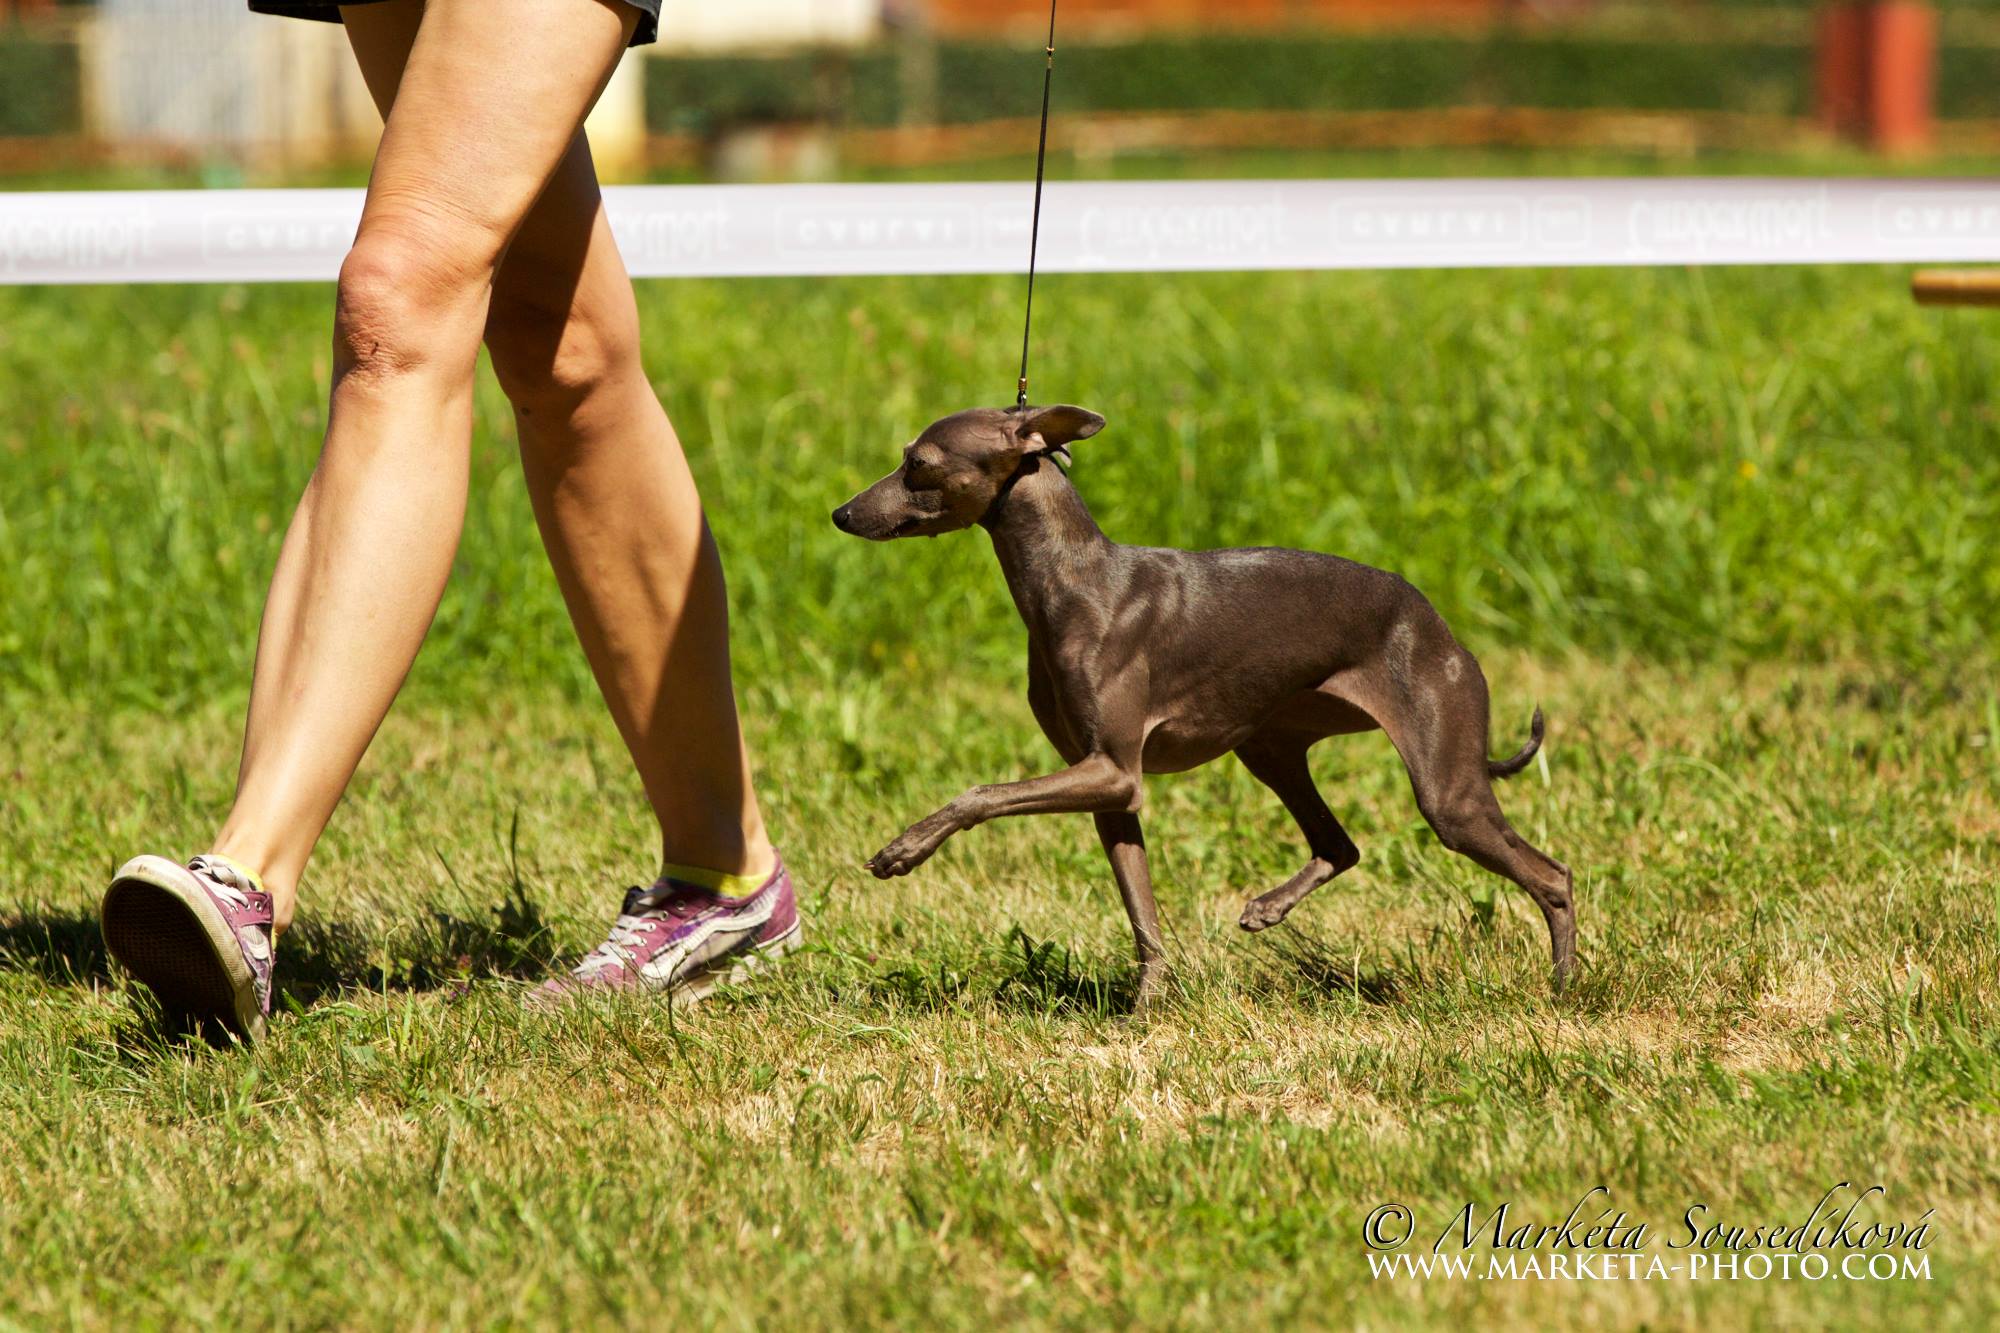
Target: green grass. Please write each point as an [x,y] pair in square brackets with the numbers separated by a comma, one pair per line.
[1687,465]
[1732,529]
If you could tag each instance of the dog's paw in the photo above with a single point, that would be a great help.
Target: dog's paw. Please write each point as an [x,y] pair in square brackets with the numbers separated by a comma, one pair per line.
[901,856]
[912,847]
[886,864]
[1148,999]
[1258,914]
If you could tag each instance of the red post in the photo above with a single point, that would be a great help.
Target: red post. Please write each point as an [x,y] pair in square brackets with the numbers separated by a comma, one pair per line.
[1903,38]
[1877,72]
[1841,71]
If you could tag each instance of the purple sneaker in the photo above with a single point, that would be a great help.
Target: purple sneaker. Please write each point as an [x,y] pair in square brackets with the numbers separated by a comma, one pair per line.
[684,938]
[198,935]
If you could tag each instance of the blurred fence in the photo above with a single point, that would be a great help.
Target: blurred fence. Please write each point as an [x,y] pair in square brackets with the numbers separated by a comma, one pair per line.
[164,73]
[798,88]
[207,82]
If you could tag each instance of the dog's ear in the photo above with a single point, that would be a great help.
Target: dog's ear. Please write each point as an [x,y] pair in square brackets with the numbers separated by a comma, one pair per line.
[1041,429]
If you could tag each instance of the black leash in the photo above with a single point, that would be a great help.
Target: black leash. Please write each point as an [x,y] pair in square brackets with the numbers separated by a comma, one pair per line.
[1035,230]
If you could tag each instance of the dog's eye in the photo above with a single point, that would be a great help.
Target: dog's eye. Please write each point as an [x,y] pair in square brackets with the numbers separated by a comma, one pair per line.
[919,477]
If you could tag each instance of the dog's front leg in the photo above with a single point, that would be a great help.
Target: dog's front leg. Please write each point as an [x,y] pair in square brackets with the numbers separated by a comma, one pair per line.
[1097,783]
[1125,845]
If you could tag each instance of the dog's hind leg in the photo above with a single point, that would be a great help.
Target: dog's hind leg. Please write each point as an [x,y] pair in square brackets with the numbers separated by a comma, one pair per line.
[1279,762]
[1440,731]
[1469,821]
[1125,846]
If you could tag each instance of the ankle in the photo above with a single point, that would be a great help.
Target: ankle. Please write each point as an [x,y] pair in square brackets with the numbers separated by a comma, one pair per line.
[277,877]
[736,856]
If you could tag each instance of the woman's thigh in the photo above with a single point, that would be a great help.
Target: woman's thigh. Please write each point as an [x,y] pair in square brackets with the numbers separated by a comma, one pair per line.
[483,101]
[561,266]
[381,36]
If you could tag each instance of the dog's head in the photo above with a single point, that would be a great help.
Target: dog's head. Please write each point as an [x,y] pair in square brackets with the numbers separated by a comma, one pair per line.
[954,471]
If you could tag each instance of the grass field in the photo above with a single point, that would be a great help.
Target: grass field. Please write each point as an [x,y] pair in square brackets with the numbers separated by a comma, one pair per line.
[1733,530]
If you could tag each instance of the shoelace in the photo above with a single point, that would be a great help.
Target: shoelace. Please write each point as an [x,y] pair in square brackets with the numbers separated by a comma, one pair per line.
[630,929]
[619,946]
[202,866]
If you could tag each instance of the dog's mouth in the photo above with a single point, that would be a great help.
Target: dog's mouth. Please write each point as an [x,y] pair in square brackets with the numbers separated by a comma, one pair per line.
[916,525]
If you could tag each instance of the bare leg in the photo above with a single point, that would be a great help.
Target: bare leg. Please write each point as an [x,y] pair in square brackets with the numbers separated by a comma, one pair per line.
[623,524]
[616,504]
[1279,762]
[490,102]
[1125,845]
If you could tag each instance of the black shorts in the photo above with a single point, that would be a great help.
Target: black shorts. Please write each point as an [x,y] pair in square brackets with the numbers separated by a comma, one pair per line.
[647,31]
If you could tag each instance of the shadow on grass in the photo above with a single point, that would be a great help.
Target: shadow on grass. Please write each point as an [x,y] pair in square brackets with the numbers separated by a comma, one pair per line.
[1310,967]
[1046,979]
[1049,977]
[1040,977]
[67,949]
[318,958]
[64,948]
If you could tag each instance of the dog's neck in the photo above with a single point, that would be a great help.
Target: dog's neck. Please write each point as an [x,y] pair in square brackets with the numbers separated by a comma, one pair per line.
[1048,544]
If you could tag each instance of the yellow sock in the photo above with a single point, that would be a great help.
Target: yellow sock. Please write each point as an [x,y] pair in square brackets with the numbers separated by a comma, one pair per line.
[724,883]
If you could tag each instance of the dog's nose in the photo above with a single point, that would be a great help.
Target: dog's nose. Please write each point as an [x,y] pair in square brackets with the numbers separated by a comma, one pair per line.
[840,518]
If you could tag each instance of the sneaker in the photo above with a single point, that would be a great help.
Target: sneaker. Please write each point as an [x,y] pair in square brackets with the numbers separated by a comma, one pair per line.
[684,938]
[199,936]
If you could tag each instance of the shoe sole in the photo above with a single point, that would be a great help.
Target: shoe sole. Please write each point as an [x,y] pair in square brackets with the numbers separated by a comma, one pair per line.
[160,925]
[734,967]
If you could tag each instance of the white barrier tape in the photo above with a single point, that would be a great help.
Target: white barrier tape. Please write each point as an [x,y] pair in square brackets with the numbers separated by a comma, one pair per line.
[1087,226]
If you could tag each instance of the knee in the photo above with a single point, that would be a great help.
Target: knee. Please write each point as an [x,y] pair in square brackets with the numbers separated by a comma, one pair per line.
[401,306]
[552,352]
[1456,823]
[1450,833]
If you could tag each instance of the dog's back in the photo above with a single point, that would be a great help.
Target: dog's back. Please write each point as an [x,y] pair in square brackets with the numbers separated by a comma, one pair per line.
[1267,619]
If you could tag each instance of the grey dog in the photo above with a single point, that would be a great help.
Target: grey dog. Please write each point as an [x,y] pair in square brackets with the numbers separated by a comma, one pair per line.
[1144,660]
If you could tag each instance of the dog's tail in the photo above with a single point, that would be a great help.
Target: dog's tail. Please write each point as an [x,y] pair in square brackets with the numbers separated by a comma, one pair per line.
[1507,768]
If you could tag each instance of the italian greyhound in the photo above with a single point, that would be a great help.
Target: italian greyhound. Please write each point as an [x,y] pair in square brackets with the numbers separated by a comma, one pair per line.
[1143,660]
